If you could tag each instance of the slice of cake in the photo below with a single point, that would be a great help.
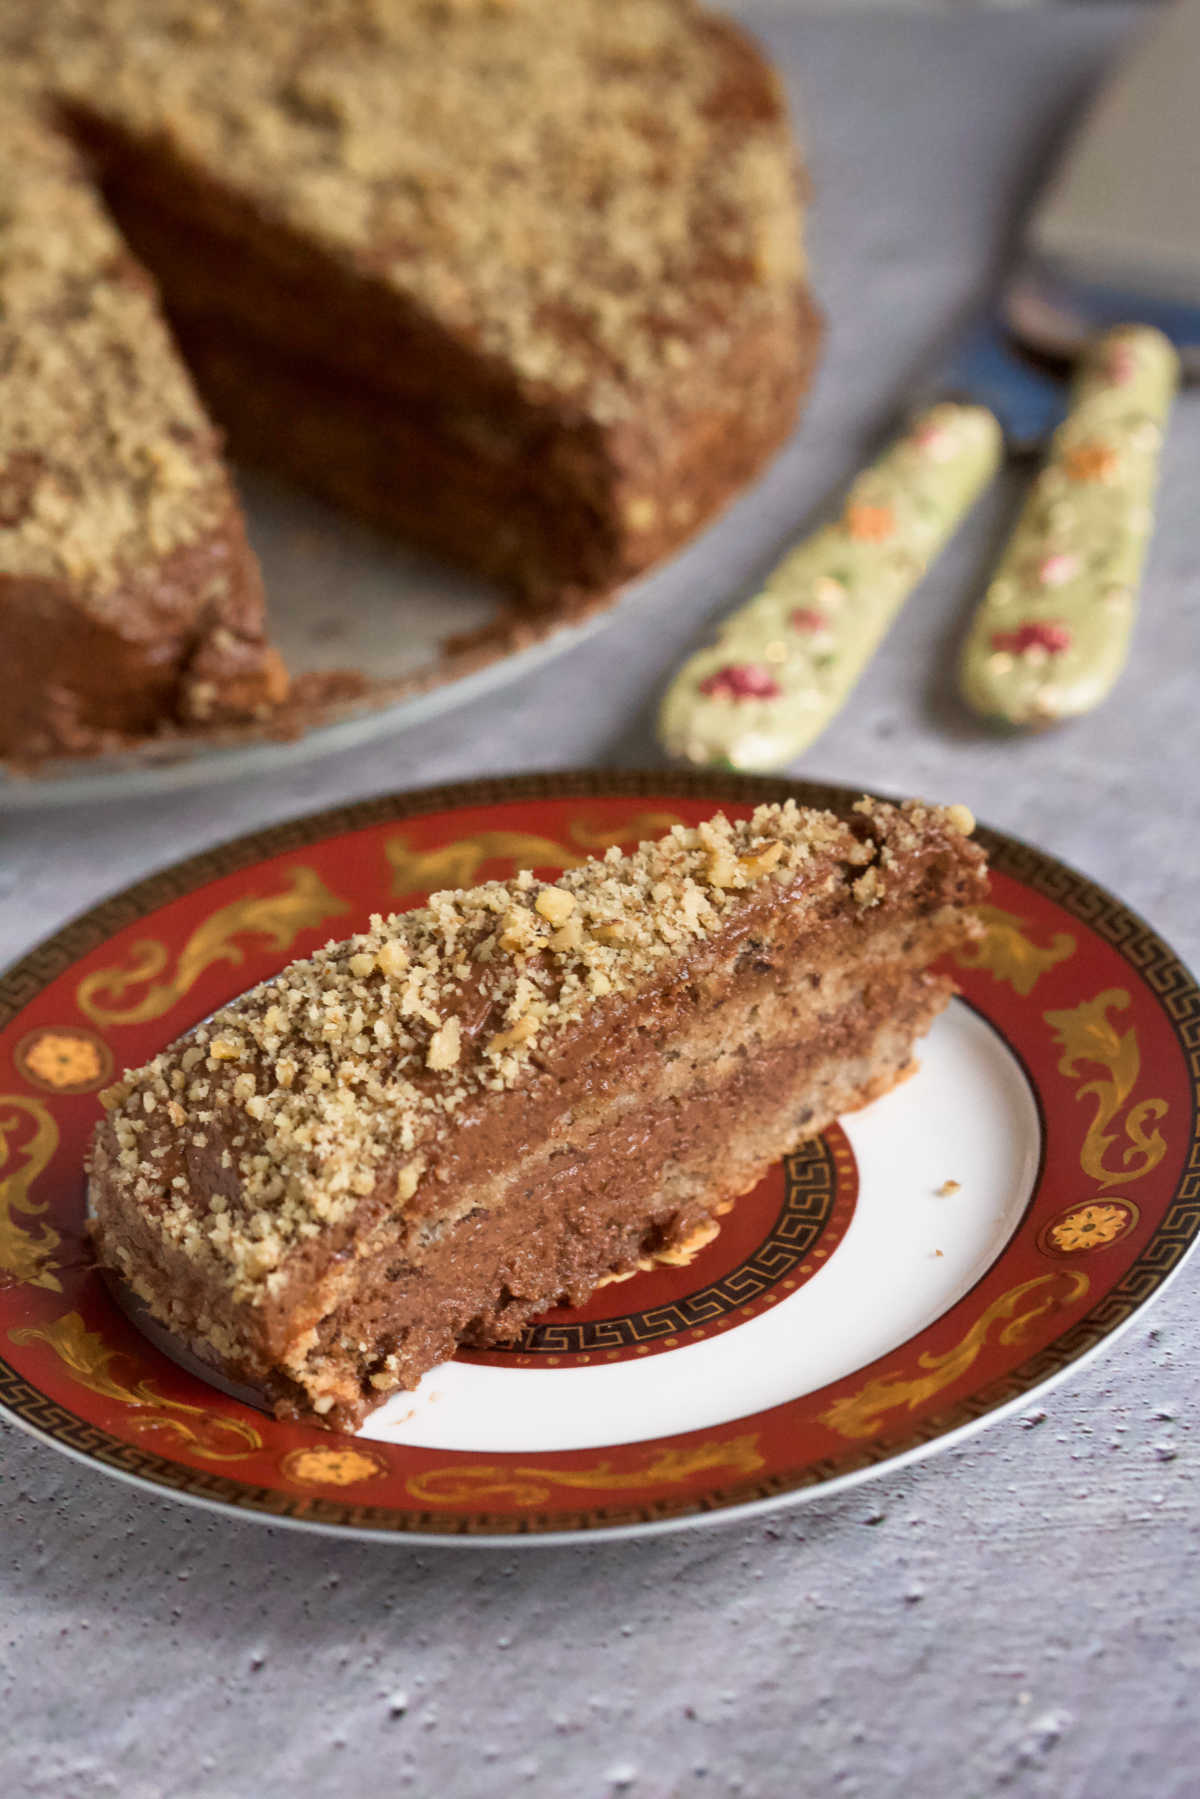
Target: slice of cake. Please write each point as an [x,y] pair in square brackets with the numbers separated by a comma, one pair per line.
[522,280]
[128,593]
[430,1133]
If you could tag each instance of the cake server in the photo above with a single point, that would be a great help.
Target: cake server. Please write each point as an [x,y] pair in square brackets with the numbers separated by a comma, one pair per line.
[1108,276]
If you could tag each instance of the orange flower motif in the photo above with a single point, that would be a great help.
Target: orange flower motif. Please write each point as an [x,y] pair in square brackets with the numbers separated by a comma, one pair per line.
[870,524]
[1091,462]
[66,1061]
[1091,1227]
[332,1467]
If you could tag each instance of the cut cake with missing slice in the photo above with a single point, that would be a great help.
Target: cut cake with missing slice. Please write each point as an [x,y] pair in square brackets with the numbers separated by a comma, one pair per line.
[524,282]
[427,1135]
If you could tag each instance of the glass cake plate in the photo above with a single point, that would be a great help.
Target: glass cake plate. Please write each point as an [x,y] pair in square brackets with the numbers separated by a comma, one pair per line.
[340,596]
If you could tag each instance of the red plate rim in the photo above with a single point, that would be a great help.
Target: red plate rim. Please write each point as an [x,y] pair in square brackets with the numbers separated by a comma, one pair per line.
[967,1368]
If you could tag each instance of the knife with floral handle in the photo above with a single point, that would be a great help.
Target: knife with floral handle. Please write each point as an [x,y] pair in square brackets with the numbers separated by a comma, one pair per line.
[1052,633]
[783,663]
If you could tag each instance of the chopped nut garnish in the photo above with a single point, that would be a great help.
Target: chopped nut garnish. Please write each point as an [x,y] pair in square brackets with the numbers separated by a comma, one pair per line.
[409,1179]
[613,932]
[869,889]
[763,861]
[960,819]
[949,1187]
[362,965]
[555,904]
[111,1097]
[521,1032]
[225,1049]
[518,931]
[569,937]
[723,869]
[391,958]
[445,1045]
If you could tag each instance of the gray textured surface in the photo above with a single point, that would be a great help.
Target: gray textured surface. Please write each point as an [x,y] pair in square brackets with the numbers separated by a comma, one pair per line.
[1016,1616]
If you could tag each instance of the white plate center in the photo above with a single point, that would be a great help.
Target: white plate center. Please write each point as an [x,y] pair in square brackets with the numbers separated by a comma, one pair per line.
[911,1252]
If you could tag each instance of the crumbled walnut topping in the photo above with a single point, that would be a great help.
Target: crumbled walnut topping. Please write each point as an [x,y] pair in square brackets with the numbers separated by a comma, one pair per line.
[106,458]
[444,1046]
[523,1031]
[391,958]
[762,862]
[869,889]
[409,1179]
[721,868]
[613,930]
[555,904]
[569,937]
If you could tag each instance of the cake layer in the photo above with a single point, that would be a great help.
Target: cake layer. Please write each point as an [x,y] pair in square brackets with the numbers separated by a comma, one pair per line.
[542,505]
[592,1204]
[128,593]
[330,1182]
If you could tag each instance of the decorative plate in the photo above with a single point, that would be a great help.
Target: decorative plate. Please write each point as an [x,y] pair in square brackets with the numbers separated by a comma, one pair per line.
[929,1263]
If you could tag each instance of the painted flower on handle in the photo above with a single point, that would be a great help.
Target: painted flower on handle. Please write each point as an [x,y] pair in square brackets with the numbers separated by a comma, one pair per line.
[1040,634]
[741,681]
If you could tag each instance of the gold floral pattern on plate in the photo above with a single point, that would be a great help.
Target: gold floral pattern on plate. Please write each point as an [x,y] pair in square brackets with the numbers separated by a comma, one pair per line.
[1009,954]
[28,1139]
[1093,1226]
[276,918]
[88,1359]
[457,864]
[471,1482]
[1089,1039]
[863,1414]
[63,1059]
[342,1467]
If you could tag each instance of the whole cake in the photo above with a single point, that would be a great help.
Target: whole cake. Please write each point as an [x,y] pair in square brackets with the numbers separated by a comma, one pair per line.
[426,1135]
[521,280]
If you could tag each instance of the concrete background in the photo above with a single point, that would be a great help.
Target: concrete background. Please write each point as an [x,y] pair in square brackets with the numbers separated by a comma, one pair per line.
[1014,1617]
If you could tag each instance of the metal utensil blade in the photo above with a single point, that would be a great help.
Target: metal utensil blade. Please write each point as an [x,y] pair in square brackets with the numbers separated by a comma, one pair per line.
[1113,236]
[986,366]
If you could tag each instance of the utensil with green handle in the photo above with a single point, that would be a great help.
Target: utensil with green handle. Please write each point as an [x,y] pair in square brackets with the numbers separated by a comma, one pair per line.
[784,663]
[1115,238]
[1052,634]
